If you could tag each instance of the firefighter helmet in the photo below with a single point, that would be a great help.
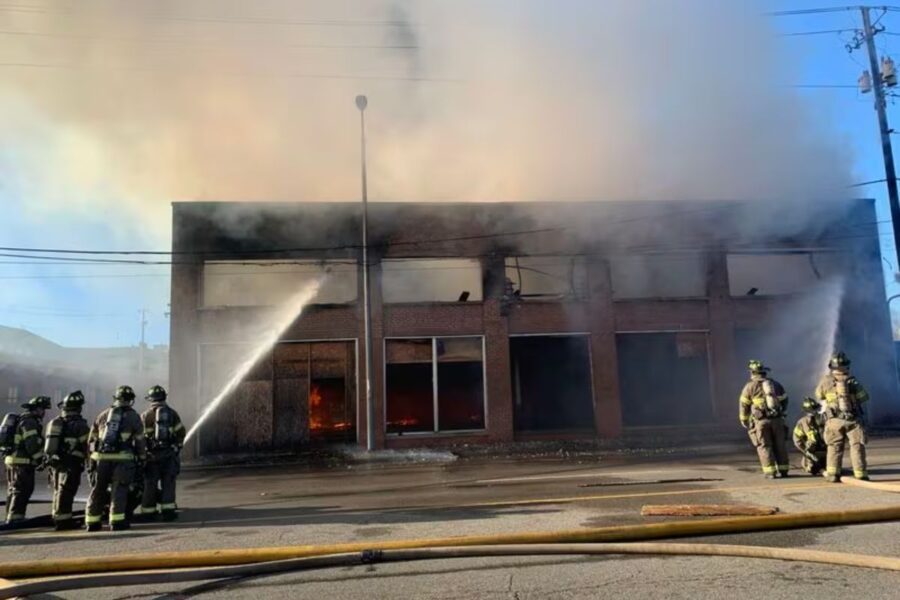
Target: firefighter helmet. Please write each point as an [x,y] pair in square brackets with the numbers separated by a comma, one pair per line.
[124,393]
[756,366]
[73,401]
[838,360]
[38,402]
[156,394]
[810,405]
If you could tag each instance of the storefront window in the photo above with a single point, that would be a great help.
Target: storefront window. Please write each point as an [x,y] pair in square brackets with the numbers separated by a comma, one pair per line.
[434,384]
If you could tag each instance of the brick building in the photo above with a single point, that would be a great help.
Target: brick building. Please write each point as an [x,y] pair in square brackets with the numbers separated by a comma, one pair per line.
[514,321]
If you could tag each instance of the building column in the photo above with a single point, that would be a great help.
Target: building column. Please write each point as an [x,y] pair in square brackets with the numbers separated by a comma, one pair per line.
[500,416]
[604,358]
[723,368]
[183,346]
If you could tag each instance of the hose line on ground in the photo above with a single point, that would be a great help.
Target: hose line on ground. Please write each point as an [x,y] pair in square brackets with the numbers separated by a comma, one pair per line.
[619,533]
[376,556]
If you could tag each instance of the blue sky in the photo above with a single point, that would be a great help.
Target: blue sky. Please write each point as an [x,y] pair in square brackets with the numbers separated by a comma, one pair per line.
[823,59]
[97,305]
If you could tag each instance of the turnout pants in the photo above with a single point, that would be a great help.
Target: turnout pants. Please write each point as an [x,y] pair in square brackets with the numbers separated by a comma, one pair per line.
[160,473]
[111,482]
[20,486]
[838,433]
[65,482]
[770,438]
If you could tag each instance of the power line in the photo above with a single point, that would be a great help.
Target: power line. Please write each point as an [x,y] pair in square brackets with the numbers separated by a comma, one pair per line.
[279,250]
[177,71]
[201,43]
[243,20]
[820,32]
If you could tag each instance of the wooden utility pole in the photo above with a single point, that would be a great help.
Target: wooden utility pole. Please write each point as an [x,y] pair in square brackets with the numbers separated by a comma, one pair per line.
[890,173]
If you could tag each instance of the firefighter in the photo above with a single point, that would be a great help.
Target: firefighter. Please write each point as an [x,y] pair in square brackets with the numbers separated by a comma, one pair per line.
[117,449]
[763,405]
[843,396]
[66,450]
[26,455]
[164,433]
[809,437]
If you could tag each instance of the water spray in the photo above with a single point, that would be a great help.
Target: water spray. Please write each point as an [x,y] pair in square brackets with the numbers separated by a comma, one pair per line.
[283,319]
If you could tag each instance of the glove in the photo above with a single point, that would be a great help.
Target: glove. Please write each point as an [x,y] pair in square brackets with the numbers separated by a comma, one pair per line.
[42,463]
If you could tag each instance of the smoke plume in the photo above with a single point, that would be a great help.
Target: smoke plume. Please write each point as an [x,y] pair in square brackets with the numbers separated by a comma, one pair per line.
[128,106]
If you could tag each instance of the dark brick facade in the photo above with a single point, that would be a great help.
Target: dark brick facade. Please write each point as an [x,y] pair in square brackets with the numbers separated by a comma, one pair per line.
[246,231]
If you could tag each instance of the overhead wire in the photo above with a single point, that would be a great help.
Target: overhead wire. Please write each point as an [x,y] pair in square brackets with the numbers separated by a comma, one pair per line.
[239,20]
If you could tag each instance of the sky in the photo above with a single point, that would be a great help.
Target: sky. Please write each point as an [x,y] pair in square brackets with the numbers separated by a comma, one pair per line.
[84,208]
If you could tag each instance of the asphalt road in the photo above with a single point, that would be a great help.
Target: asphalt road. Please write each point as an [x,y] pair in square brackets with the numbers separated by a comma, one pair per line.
[266,506]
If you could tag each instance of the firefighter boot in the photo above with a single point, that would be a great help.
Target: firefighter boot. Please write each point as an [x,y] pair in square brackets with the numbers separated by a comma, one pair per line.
[119,526]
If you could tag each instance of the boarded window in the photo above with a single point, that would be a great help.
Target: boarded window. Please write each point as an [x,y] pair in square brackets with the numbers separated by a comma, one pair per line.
[431,280]
[548,277]
[778,274]
[243,420]
[658,276]
[664,379]
[417,402]
[271,283]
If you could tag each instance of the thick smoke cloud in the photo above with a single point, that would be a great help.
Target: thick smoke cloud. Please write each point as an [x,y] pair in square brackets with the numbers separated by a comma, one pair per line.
[141,103]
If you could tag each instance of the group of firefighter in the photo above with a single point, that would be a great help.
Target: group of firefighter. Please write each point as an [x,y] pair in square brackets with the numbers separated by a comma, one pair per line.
[833,420]
[132,459]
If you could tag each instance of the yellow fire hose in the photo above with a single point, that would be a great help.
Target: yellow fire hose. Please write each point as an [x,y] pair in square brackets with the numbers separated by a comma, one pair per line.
[621,533]
[369,557]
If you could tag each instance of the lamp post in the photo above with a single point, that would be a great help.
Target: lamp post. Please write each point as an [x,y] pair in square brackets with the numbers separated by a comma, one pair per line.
[361,103]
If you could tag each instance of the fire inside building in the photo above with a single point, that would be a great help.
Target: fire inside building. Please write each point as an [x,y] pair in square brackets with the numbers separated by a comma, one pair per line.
[496,322]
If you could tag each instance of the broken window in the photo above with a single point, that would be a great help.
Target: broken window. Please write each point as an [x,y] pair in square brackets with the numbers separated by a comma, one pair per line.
[548,277]
[552,385]
[678,392]
[431,280]
[779,274]
[658,276]
[460,384]
[273,282]
[315,391]
[332,389]
[434,384]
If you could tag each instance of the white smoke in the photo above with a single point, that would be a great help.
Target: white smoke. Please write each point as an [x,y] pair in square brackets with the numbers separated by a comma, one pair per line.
[127,106]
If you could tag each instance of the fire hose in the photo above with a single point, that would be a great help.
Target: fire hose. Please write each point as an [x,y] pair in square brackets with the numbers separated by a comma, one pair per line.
[618,533]
[432,553]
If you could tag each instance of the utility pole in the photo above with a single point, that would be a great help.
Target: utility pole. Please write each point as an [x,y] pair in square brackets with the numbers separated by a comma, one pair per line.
[141,349]
[878,88]
[361,103]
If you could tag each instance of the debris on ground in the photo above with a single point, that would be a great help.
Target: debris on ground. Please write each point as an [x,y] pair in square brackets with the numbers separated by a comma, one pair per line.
[706,510]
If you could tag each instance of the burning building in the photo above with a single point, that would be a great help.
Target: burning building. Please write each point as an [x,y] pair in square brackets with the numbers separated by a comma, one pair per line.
[515,321]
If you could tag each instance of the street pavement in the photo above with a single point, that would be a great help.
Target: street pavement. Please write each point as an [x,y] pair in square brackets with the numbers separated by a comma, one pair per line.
[259,506]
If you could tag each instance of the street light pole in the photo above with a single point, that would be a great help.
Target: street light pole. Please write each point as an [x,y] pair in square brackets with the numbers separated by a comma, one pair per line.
[361,103]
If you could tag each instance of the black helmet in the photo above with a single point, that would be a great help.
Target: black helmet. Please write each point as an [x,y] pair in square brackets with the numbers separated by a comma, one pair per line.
[810,405]
[44,402]
[838,360]
[73,401]
[157,394]
[756,366]
[124,393]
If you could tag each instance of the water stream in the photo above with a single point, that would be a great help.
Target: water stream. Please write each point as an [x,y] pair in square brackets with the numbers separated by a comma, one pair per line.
[280,321]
